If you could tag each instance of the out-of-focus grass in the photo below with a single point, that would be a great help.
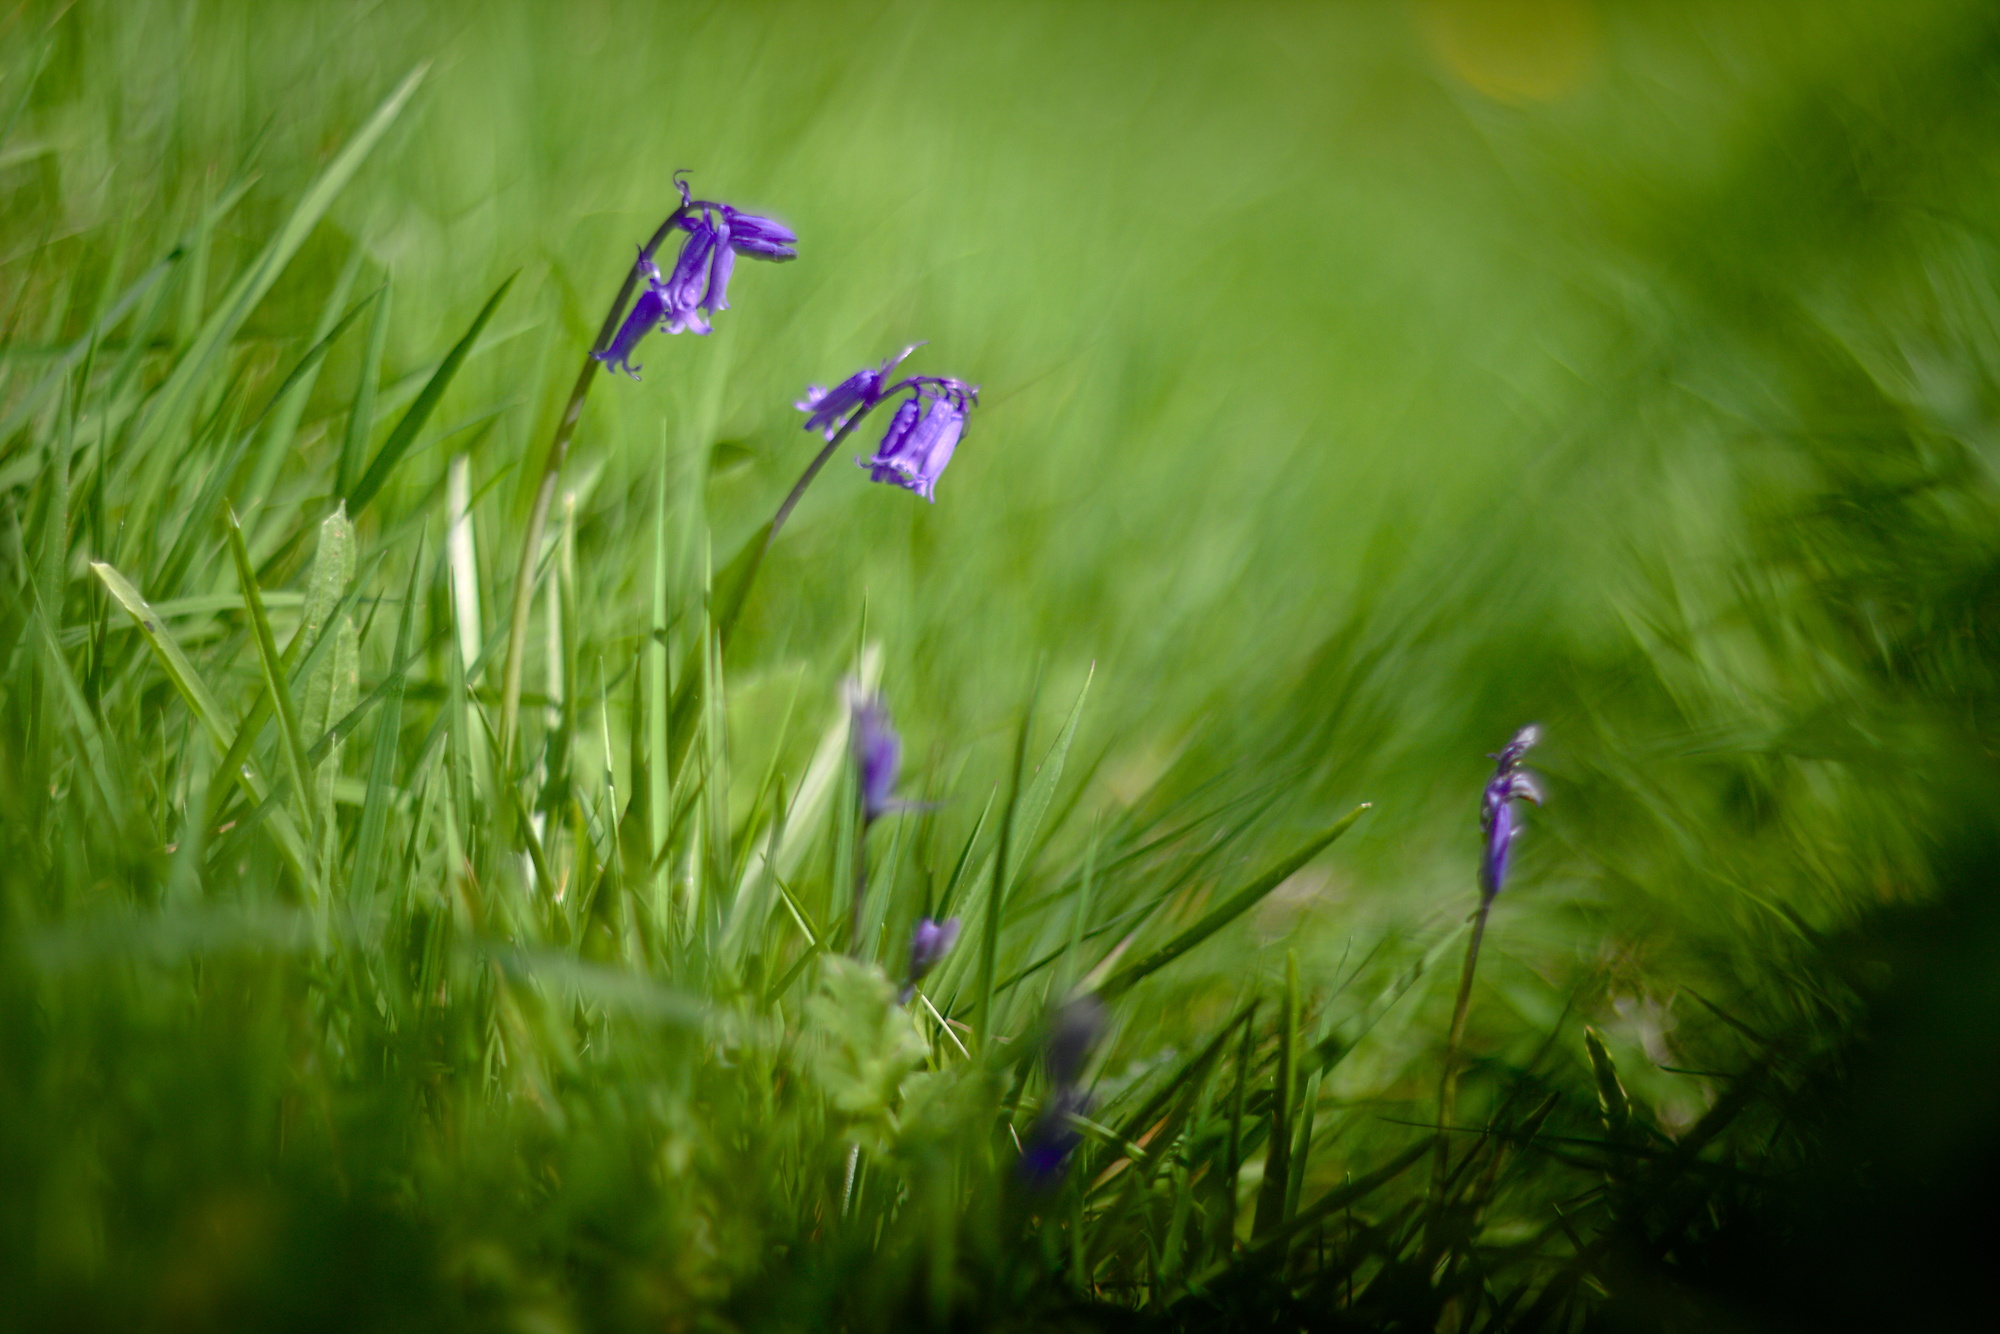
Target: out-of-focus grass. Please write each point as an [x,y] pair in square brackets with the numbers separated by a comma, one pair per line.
[1358,385]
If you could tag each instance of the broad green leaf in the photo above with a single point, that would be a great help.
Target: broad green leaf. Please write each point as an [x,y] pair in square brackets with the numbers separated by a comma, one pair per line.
[863,1046]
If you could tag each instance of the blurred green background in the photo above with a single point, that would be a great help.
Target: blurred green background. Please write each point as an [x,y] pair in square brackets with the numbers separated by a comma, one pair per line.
[1360,382]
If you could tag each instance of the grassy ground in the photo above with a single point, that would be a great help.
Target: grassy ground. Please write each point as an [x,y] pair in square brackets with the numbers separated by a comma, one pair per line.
[1357,386]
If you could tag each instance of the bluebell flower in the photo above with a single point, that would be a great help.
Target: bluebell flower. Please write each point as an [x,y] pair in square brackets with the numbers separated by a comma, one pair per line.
[923,433]
[717,234]
[929,943]
[1073,1034]
[698,285]
[1045,1153]
[693,287]
[878,754]
[1497,820]
[645,316]
[828,411]
[760,238]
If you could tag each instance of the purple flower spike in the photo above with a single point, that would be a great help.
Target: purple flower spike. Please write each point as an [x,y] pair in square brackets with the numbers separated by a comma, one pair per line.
[1046,1152]
[1497,820]
[1073,1033]
[878,754]
[922,435]
[828,411]
[929,943]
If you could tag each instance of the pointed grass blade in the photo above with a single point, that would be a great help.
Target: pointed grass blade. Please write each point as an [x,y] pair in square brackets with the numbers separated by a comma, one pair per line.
[382,763]
[178,394]
[1278,1159]
[419,412]
[361,414]
[269,662]
[1231,908]
[32,401]
[180,672]
[1025,809]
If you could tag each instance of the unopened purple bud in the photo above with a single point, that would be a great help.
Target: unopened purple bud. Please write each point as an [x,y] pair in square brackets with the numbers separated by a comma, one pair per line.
[1517,747]
[829,410]
[763,238]
[878,754]
[1497,820]
[929,943]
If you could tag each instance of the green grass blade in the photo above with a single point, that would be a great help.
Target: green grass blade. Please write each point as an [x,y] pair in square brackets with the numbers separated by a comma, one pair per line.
[1027,806]
[1327,1205]
[361,415]
[31,402]
[1230,909]
[382,763]
[996,893]
[181,673]
[1278,1159]
[300,668]
[272,666]
[288,404]
[327,688]
[90,734]
[178,394]
[413,420]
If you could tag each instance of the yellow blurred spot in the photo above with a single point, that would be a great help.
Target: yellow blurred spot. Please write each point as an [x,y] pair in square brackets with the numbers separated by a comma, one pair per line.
[1513,51]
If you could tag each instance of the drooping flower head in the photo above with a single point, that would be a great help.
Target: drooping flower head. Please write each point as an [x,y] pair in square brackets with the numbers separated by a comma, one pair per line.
[698,285]
[1497,820]
[929,943]
[1073,1033]
[878,754]
[828,411]
[922,434]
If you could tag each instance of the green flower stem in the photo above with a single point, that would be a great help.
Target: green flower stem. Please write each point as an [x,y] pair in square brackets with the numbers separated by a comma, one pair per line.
[1448,1084]
[538,518]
